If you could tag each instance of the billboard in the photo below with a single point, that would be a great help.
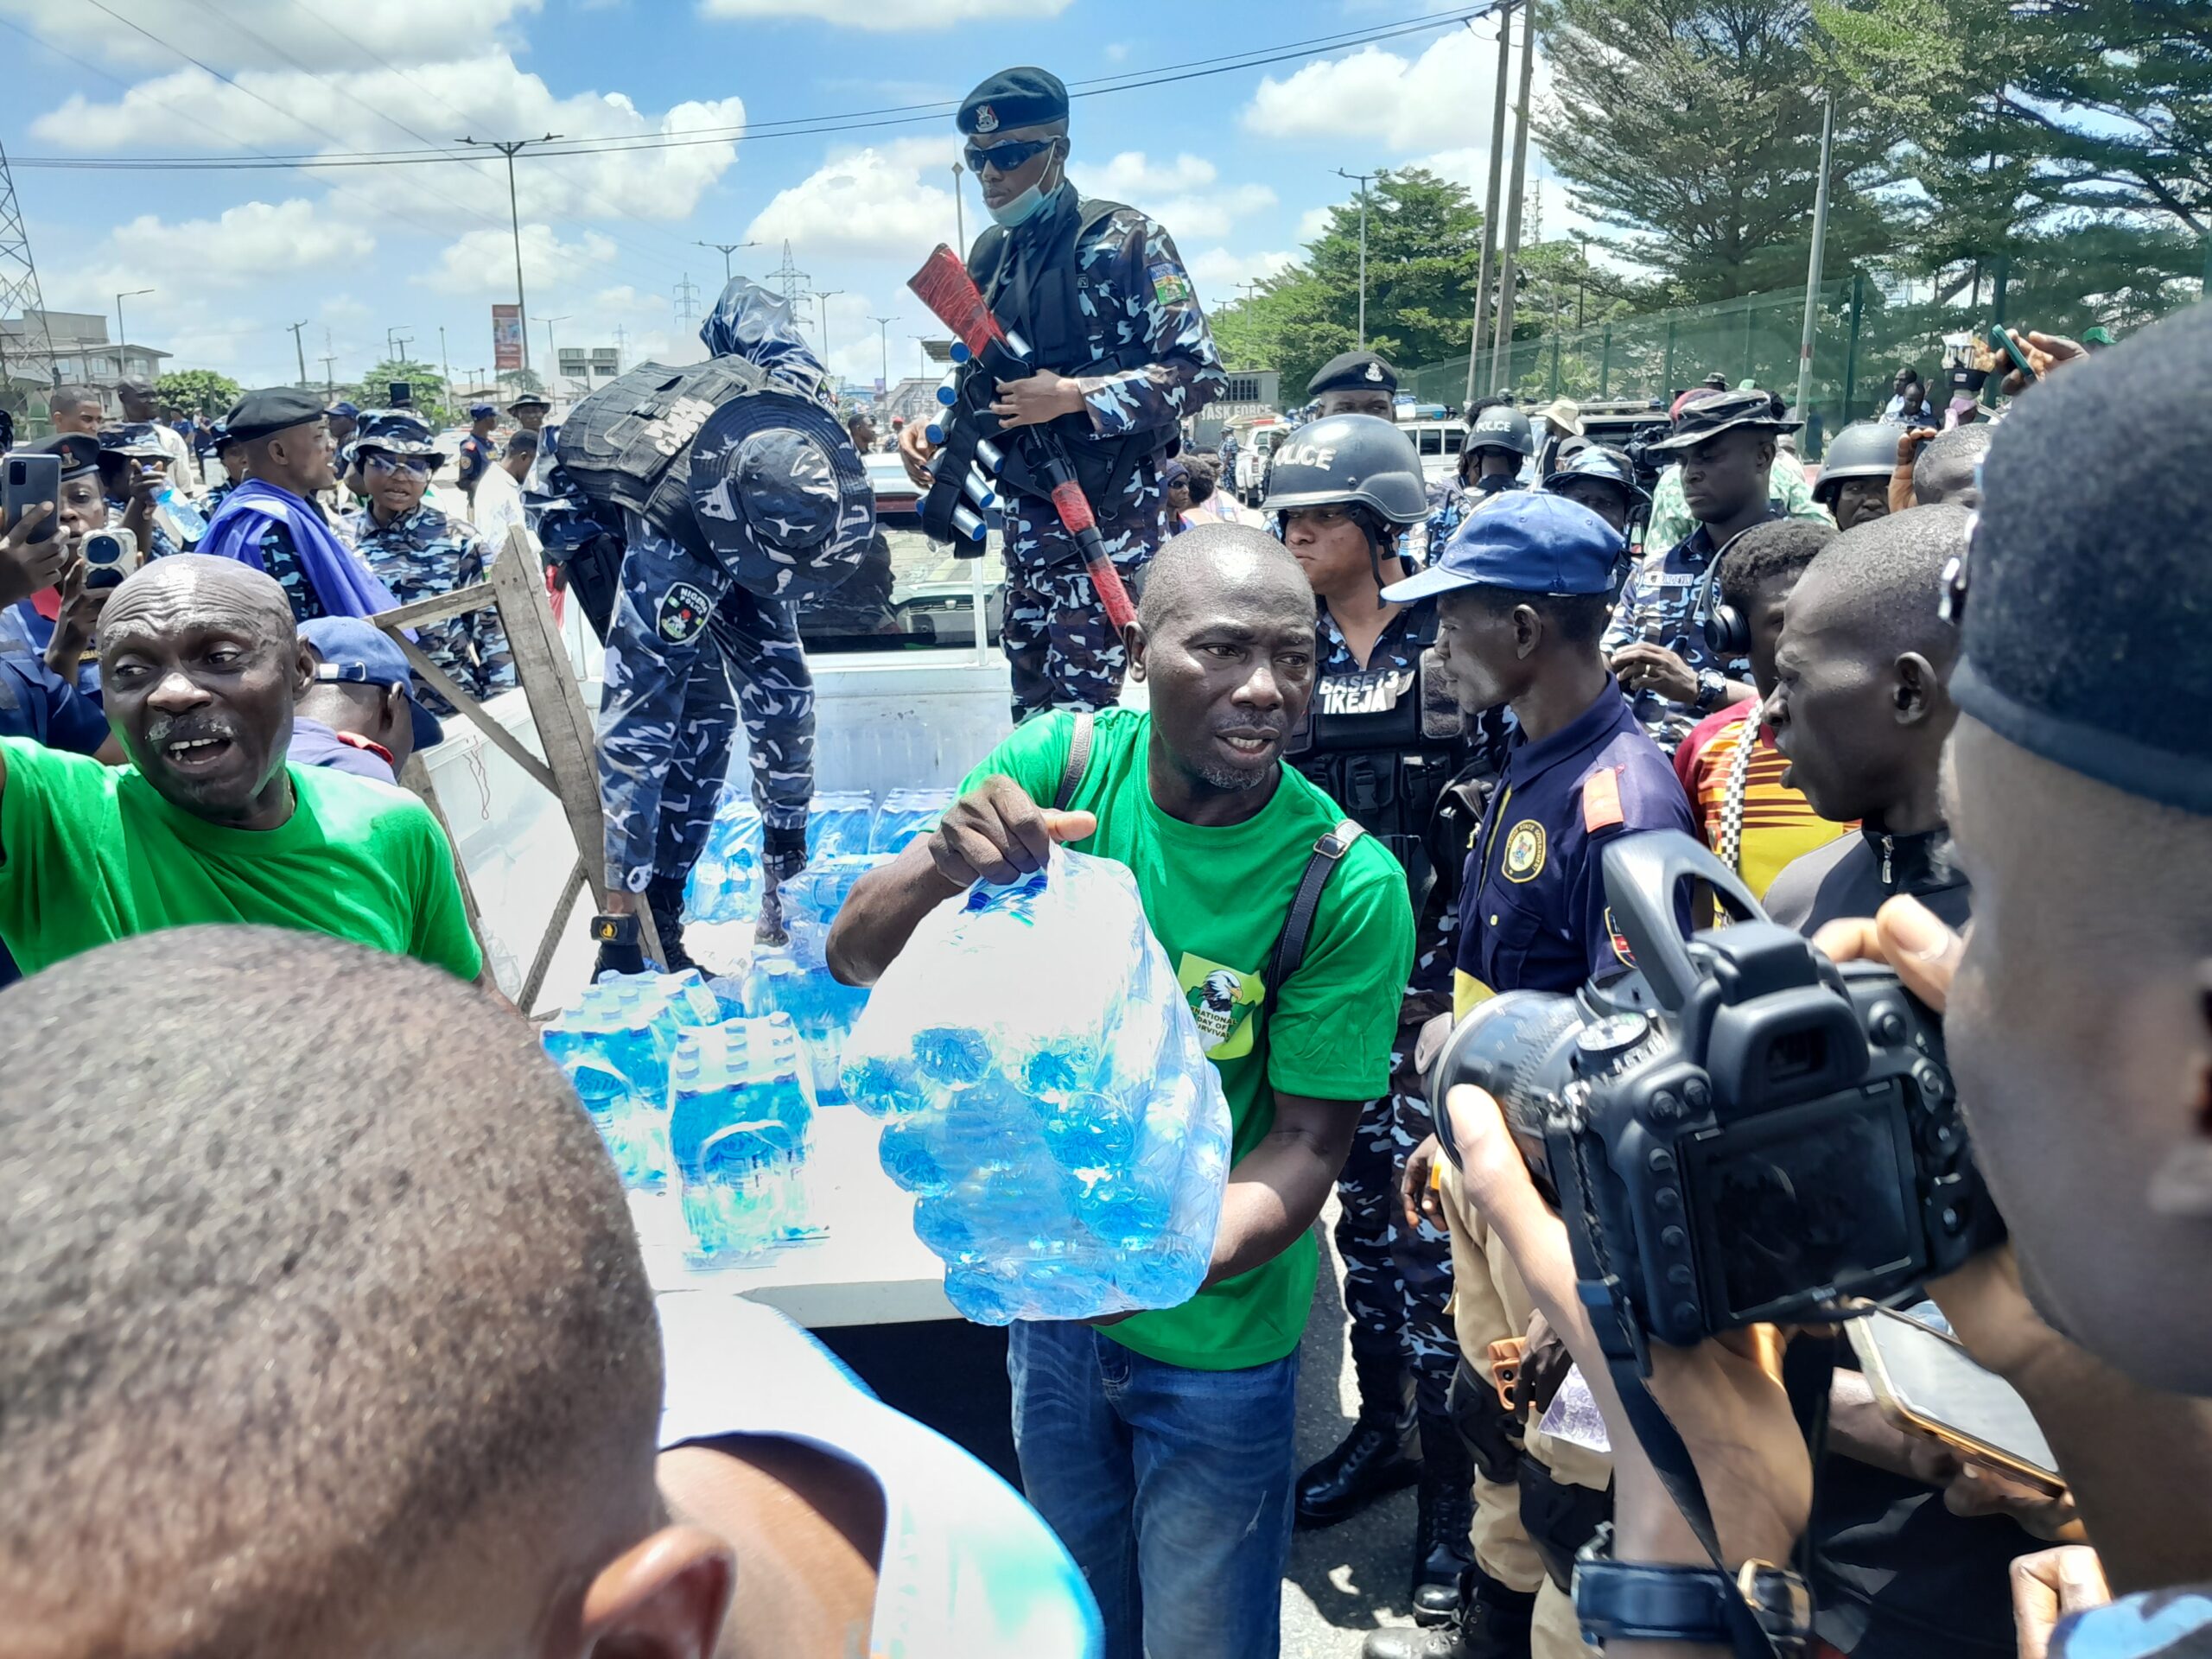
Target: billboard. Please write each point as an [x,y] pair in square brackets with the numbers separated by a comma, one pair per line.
[506,337]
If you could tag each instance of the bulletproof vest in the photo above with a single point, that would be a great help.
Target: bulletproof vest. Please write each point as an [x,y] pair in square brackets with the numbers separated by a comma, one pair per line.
[628,445]
[1049,302]
[1382,743]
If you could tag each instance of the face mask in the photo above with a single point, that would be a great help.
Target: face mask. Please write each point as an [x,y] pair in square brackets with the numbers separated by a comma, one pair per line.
[1020,210]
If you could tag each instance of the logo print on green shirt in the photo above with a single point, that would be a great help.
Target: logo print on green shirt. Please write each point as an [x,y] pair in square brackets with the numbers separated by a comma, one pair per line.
[1223,1001]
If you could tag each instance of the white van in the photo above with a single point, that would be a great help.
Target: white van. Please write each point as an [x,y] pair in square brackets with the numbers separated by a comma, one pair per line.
[1439,443]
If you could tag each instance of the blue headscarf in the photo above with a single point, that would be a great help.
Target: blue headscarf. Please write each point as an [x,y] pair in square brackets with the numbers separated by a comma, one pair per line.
[341,581]
[750,323]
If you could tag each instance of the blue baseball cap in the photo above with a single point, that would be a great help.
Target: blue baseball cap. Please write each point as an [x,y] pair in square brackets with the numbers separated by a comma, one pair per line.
[1525,540]
[351,651]
[344,409]
[482,412]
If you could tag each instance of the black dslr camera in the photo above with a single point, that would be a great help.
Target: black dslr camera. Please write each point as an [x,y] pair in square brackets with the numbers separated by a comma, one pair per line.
[1739,1130]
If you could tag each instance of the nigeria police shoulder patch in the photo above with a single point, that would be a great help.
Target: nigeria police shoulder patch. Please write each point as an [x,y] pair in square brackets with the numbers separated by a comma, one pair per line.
[683,611]
[1524,851]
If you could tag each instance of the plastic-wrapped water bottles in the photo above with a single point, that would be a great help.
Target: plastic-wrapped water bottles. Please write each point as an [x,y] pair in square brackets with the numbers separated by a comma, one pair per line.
[740,1109]
[839,823]
[906,814]
[1047,1099]
[612,1050]
[820,1009]
[725,884]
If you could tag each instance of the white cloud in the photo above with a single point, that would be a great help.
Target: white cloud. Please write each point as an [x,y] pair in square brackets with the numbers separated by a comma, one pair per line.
[886,15]
[241,246]
[382,109]
[1116,52]
[1313,223]
[1466,166]
[326,34]
[1441,95]
[1179,193]
[483,262]
[1220,275]
[870,202]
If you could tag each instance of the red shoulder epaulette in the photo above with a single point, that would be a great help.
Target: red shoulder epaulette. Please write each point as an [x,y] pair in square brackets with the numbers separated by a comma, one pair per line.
[1601,801]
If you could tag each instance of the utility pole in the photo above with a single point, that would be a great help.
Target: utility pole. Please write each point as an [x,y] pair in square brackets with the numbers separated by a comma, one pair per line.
[621,345]
[1813,265]
[445,362]
[552,356]
[1246,290]
[509,148]
[121,338]
[725,249]
[959,213]
[824,299]
[1363,178]
[883,336]
[1490,198]
[1501,368]
[921,352]
[790,279]
[687,299]
[1581,283]
[300,351]
[19,291]
[329,380]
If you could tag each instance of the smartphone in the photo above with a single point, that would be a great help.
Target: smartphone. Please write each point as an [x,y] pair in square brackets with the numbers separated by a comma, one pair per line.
[402,394]
[1924,1380]
[2001,341]
[110,556]
[33,480]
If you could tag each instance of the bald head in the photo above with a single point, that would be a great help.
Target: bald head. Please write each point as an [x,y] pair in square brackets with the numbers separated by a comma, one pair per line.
[191,587]
[1218,565]
[317,1288]
[1883,581]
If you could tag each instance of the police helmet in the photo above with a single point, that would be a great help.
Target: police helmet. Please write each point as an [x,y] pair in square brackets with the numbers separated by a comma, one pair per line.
[1353,460]
[1502,427]
[1863,450]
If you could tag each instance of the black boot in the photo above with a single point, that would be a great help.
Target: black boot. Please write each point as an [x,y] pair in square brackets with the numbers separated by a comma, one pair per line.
[1489,1623]
[1442,1553]
[1380,1455]
[665,899]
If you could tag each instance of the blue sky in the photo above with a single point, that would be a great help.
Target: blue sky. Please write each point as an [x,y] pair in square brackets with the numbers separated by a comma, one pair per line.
[1239,166]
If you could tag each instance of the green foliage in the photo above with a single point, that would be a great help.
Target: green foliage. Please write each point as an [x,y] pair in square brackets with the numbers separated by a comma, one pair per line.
[519,381]
[429,388]
[197,392]
[1691,129]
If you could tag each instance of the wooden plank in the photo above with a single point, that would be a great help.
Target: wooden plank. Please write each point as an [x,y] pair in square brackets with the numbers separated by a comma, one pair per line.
[542,963]
[416,777]
[455,694]
[438,607]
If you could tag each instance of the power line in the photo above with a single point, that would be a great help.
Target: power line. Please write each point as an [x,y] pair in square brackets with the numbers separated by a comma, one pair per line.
[801,126]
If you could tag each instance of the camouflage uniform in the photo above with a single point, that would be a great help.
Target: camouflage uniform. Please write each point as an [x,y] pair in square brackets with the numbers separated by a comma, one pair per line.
[682,630]
[1398,1284]
[424,552]
[1062,652]
[1666,600]
[279,559]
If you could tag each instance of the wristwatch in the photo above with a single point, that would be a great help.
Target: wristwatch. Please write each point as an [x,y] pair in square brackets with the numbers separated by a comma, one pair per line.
[1711,689]
[1635,1601]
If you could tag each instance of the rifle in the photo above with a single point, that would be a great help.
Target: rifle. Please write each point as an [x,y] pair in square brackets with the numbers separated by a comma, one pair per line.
[980,459]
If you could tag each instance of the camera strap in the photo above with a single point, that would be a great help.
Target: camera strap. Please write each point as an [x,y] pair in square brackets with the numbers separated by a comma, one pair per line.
[1628,1360]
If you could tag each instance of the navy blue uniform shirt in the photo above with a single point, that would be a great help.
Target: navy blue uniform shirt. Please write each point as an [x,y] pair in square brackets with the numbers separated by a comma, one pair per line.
[1532,909]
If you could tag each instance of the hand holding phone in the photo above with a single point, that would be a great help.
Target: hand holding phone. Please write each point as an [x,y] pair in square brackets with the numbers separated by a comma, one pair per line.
[32,554]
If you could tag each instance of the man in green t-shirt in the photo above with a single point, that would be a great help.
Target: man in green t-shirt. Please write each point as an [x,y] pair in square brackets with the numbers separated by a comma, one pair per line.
[199,665]
[1161,1446]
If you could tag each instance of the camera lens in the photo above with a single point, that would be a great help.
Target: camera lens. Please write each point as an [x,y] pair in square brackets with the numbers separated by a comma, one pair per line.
[1515,1048]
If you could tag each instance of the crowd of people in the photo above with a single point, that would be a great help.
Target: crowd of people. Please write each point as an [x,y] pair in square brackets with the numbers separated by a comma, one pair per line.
[323,1324]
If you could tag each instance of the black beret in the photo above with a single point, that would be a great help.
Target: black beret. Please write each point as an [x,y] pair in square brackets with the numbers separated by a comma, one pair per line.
[79,452]
[273,410]
[1015,98]
[2087,570]
[1353,372]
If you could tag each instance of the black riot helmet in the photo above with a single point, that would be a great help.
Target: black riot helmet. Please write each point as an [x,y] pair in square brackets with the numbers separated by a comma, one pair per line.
[1502,427]
[1863,450]
[1350,460]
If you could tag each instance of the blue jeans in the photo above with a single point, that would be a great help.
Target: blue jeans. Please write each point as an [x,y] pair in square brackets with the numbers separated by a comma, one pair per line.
[1171,1487]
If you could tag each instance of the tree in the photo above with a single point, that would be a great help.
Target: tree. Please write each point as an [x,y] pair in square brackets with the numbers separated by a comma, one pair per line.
[1691,130]
[197,392]
[429,388]
[519,381]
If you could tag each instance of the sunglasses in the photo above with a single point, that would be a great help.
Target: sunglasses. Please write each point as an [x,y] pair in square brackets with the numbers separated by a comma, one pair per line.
[384,463]
[1004,158]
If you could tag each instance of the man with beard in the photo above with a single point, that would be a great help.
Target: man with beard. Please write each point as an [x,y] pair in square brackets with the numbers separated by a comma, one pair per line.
[199,667]
[1162,1448]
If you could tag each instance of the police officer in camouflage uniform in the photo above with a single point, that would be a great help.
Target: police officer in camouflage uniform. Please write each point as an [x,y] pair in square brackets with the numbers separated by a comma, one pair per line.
[1382,735]
[1102,297]
[1499,440]
[417,551]
[702,632]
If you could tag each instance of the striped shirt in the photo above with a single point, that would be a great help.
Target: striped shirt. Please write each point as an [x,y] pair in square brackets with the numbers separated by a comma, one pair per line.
[1776,824]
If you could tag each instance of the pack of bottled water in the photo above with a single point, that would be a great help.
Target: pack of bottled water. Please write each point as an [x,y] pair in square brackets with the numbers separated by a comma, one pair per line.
[740,1110]
[906,814]
[822,1011]
[839,823]
[1046,1096]
[725,884]
[691,1094]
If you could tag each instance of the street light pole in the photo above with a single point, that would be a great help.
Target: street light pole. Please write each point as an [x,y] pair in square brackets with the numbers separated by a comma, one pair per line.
[300,351]
[883,334]
[1363,178]
[725,249]
[1813,265]
[959,210]
[122,339]
[552,356]
[1501,367]
[1490,199]
[509,148]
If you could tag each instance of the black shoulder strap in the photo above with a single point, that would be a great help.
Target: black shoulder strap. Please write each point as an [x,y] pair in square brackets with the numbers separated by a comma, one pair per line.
[1290,947]
[1079,760]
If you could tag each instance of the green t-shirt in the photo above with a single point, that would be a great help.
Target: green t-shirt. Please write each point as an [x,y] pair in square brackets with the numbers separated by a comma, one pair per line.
[1216,899]
[90,854]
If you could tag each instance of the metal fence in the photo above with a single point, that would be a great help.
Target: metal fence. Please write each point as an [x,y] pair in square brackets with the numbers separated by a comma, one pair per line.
[1863,332]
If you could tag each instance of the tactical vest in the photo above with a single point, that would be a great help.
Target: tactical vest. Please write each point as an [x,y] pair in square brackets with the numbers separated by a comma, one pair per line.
[628,444]
[1384,742]
[1051,304]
